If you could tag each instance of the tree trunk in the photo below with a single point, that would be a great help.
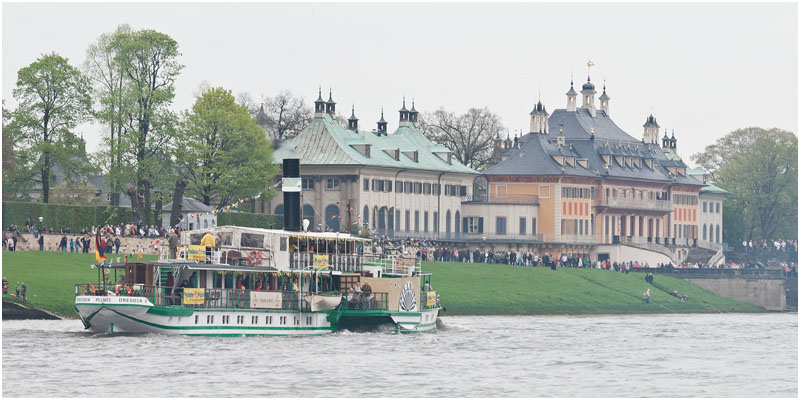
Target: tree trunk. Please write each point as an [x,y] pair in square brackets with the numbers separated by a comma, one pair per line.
[45,185]
[157,214]
[147,214]
[133,193]
[177,202]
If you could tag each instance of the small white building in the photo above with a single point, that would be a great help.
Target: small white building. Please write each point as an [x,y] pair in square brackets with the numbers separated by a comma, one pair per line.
[194,215]
[709,208]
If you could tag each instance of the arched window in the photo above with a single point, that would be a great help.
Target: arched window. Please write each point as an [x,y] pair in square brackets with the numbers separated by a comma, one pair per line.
[704,232]
[332,217]
[308,211]
[205,223]
[390,220]
[365,216]
[719,238]
[381,222]
[458,222]
[279,209]
[447,222]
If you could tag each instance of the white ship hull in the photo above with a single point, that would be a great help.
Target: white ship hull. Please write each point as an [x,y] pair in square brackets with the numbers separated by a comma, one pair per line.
[113,314]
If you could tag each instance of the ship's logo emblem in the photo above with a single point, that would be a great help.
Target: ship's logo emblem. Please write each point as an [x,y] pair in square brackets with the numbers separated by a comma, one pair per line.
[408,299]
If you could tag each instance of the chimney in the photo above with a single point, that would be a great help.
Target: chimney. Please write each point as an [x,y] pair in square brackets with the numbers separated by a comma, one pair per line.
[291,194]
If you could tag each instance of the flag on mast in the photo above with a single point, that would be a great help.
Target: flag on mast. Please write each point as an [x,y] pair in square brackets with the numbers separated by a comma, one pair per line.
[99,251]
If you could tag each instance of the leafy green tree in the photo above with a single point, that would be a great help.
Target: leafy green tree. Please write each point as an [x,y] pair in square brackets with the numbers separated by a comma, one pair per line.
[53,98]
[148,60]
[224,152]
[759,168]
[109,83]
[17,182]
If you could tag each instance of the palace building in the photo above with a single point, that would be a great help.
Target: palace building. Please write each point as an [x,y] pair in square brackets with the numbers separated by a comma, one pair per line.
[398,183]
[577,184]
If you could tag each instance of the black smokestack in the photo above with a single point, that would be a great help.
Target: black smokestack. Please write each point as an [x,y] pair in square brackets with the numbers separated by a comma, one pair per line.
[291,194]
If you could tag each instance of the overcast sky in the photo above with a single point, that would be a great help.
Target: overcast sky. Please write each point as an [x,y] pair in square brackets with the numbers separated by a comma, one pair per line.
[704,69]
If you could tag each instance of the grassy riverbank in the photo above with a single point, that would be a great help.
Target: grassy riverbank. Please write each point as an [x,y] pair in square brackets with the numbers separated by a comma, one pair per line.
[491,289]
[50,276]
[464,288]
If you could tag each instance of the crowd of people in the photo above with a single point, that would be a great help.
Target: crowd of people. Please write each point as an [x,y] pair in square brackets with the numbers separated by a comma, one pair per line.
[764,245]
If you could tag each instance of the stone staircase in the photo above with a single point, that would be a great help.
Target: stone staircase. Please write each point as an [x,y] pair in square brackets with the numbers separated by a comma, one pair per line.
[699,255]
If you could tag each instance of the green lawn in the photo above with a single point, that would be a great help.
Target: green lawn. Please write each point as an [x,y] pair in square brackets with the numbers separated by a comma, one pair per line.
[50,277]
[464,288]
[499,289]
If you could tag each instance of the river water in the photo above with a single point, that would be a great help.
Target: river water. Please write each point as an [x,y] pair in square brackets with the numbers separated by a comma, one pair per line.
[706,355]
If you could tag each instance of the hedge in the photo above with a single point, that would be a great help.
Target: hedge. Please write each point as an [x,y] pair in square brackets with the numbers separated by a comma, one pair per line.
[267,221]
[57,216]
[76,218]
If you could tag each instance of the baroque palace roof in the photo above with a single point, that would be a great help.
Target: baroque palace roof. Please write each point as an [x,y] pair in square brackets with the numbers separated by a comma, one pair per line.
[325,142]
[589,144]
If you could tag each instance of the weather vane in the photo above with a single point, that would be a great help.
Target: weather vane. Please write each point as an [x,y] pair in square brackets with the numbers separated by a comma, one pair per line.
[589,65]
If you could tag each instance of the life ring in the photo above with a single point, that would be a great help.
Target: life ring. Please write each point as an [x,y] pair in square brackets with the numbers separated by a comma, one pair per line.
[254,256]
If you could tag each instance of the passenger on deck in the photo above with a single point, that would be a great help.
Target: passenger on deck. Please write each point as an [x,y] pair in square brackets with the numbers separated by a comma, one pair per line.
[168,291]
[208,242]
[239,285]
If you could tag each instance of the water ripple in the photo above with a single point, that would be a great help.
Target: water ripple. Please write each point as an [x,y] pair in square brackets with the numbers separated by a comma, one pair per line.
[713,355]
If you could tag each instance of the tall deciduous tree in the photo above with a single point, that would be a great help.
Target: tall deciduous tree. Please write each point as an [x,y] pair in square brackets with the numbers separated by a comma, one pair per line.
[759,168]
[109,83]
[225,153]
[469,136]
[288,113]
[53,98]
[148,60]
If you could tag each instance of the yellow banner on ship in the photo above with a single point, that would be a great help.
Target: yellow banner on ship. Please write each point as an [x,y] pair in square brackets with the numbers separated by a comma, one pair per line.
[194,296]
[195,252]
[431,300]
[321,261]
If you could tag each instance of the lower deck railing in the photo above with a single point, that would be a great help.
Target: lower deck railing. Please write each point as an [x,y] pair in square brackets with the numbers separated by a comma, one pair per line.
[231,298]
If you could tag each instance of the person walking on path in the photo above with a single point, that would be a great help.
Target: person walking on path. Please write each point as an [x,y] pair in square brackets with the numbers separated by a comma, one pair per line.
[16,290]
[117,243]
[646,296]
[24,293]
[41,242]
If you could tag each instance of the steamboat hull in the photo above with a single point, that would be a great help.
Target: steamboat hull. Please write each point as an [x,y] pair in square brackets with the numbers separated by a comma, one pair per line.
[113,314]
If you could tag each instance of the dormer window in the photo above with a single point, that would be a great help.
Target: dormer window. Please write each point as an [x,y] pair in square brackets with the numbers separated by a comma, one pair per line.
[606,159]
[414,155]
[364,149]
[394,153]
[559,160]
[619,160]
[583,162]
[649,163]
[571,161]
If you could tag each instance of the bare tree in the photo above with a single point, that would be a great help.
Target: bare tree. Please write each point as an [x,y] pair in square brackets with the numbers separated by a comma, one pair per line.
[288,115]
[469,136]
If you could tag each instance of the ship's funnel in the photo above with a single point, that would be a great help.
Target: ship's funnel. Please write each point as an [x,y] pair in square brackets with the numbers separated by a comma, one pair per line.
[292,186]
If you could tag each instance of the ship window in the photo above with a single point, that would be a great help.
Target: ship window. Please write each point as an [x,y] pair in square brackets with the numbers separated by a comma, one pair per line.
[252,240]
[196,319]
[254,320]
[284,243]
[227,238]
[308,320]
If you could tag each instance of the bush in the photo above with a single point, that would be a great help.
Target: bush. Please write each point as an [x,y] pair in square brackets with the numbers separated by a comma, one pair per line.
[57,216]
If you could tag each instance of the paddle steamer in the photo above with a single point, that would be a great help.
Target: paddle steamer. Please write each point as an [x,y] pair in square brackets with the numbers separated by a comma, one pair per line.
[261,282]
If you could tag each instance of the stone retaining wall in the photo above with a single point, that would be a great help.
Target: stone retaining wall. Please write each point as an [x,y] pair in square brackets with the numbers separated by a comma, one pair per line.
[128,245]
